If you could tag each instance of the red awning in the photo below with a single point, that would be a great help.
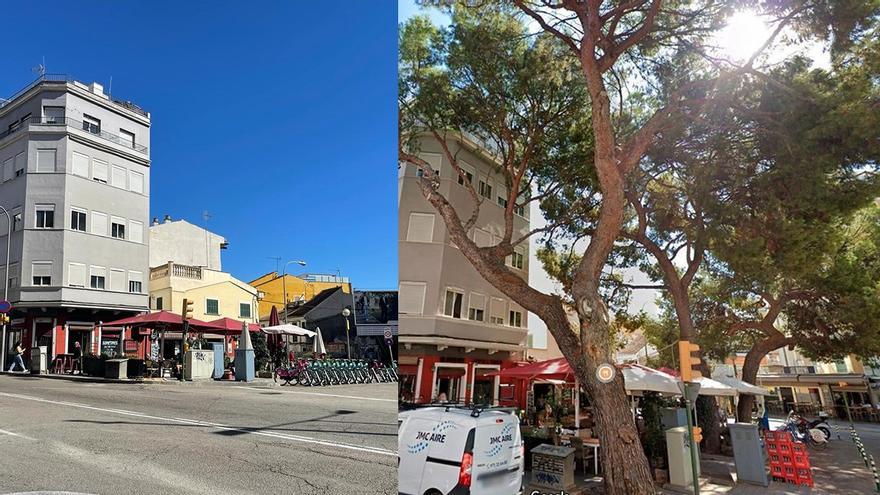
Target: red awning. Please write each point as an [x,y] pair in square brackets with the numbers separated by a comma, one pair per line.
[231,325]
[553,369]
[407,369]
[163,318]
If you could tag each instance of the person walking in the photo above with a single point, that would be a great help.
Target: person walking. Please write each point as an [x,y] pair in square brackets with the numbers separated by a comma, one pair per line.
[77,358]
[18,360]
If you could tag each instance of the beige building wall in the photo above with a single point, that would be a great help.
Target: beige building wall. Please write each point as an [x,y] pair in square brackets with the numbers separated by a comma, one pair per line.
[173,283]
[430,264]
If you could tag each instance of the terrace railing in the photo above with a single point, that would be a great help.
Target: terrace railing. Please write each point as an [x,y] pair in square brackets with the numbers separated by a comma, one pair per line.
[76,124]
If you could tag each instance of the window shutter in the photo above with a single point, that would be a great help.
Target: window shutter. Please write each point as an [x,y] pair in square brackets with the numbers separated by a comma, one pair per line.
[117,280]
[100,170]
[136,231]
[80,164]
[76,276]
[412,298]
[7,170]
[119,175]
[421,227]
[99,223]
[433,159]
[42,268]
[21,162]
[497,309]
[136,180]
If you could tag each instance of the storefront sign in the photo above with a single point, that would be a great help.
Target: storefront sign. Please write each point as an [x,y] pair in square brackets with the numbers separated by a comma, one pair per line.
[131,346]
[605,373]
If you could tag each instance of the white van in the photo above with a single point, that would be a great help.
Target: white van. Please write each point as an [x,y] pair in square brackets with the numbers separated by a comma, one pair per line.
[449,450]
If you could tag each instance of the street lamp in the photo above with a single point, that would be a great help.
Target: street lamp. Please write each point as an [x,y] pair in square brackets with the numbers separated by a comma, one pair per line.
[284,283]
[346,312]
[6,284]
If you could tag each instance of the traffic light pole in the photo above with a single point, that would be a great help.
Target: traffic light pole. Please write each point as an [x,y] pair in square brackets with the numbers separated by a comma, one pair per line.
[5,286]
[686,352]
[692,444]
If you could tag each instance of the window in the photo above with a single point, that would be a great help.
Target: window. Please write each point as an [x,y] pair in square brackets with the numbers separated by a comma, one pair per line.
[485,189]
[76,275]
[515,318]
[53,115]
[159,303]
[42,273]
[516,259]
[477,307]
[13,275]
[433,159]
[420,228]
[91,124]
[117,280]
[118,177]
[520,210]
[244,310]
[135,231]
[16,220]
[7,169]
[136,182]
[412,297]
[468,174]
[212,307]
[99,170]
[135,282]
[78,220]
[45,216]
[496,311]
[502,201]
[117,228]
[80,164]
[482,238]
[21,163]
[127,138]
[840,366]
[99,223]
[97,277]
[453,303]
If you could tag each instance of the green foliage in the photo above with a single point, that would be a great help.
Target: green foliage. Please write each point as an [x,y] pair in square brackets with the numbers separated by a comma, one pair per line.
[261,351]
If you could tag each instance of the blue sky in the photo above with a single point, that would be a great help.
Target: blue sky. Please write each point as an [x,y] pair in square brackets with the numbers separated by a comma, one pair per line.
[278,120]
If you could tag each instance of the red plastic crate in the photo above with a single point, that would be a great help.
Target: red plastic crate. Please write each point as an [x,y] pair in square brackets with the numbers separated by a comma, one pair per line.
[771,447]
[786,460]
[799,448]
[804,481]
[776,471]
[801,461]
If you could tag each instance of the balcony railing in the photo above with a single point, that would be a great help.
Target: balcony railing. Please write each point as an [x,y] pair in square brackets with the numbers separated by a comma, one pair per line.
[76,124]
[185,271]
[64,78]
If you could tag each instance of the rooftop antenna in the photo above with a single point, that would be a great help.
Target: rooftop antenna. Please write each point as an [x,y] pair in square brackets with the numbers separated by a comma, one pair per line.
[277,262]
[110,89]
[40,70]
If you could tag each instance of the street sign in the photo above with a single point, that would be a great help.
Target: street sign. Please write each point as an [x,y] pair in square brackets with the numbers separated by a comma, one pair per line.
[5,306]
[387,333]
[605,373]
[389,341]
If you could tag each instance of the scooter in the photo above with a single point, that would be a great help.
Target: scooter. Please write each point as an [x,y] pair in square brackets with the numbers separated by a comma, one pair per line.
[810,436]
[820,423]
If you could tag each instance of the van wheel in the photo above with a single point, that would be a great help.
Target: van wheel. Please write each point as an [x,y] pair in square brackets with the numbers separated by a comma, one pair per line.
[433,492]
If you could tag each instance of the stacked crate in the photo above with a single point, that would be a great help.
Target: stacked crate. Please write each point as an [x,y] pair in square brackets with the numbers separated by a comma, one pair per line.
[789,460]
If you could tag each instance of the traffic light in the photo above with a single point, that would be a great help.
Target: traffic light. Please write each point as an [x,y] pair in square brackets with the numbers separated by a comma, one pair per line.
[4,319]
[187,311]
[697,433]
[689,355]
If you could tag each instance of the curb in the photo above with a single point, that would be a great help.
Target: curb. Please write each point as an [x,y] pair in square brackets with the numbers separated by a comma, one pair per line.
[149,381]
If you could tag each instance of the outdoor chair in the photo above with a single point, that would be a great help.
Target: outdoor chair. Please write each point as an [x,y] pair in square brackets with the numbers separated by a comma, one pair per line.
[167,367]
[581,452]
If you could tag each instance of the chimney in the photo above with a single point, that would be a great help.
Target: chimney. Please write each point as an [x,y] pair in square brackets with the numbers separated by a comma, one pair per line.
[97,88]
[155,221]
[166,219]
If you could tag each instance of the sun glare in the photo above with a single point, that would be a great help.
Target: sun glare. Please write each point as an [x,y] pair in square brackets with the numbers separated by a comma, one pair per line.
[744,34]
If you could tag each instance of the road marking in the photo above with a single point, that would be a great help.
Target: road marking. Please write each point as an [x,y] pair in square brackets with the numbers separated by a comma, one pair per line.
[265,433]
[329,395]
[13,434]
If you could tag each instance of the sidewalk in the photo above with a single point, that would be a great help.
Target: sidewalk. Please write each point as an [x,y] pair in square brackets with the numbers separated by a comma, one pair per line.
[258,382]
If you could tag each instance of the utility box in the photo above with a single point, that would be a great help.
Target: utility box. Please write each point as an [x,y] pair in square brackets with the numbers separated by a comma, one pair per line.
[219,364]
[678,448]
[748,454]
[553,468]
[199,364]
[116,369]
[39,360]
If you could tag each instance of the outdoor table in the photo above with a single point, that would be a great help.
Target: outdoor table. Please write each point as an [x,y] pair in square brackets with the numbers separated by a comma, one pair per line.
[594,444]
[62,363]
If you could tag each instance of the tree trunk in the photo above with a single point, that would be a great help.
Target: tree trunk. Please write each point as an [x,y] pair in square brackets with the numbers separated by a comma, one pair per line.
[750,371]
[709,420]
[623,460]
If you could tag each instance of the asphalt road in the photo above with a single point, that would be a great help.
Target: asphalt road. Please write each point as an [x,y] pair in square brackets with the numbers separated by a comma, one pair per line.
[106,438]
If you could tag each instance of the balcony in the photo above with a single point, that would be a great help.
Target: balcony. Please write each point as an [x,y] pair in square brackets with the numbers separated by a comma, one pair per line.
[175,270]
[76,124]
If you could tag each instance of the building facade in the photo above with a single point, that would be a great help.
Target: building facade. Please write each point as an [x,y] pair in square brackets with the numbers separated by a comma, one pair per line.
[75,179]
[299,289]
[181,242]
[455,327]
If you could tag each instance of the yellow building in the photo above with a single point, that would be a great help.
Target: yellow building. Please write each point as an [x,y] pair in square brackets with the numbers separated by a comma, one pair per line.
[299,288]
[215,294]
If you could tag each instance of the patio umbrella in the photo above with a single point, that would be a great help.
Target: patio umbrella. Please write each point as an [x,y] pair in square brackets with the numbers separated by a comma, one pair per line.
[319,343]
[743,388]
[274,322]
[160,318]
[642,378]
[712,387]
[287,329]
[234,326]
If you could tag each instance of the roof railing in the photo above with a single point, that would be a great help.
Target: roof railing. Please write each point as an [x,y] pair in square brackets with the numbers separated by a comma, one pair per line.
[76,124]
[64,78]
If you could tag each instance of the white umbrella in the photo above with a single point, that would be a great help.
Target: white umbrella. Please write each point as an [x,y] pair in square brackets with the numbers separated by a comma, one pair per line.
[744,388]
[319,343]
[712,387]
[641,378]
[287,329]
